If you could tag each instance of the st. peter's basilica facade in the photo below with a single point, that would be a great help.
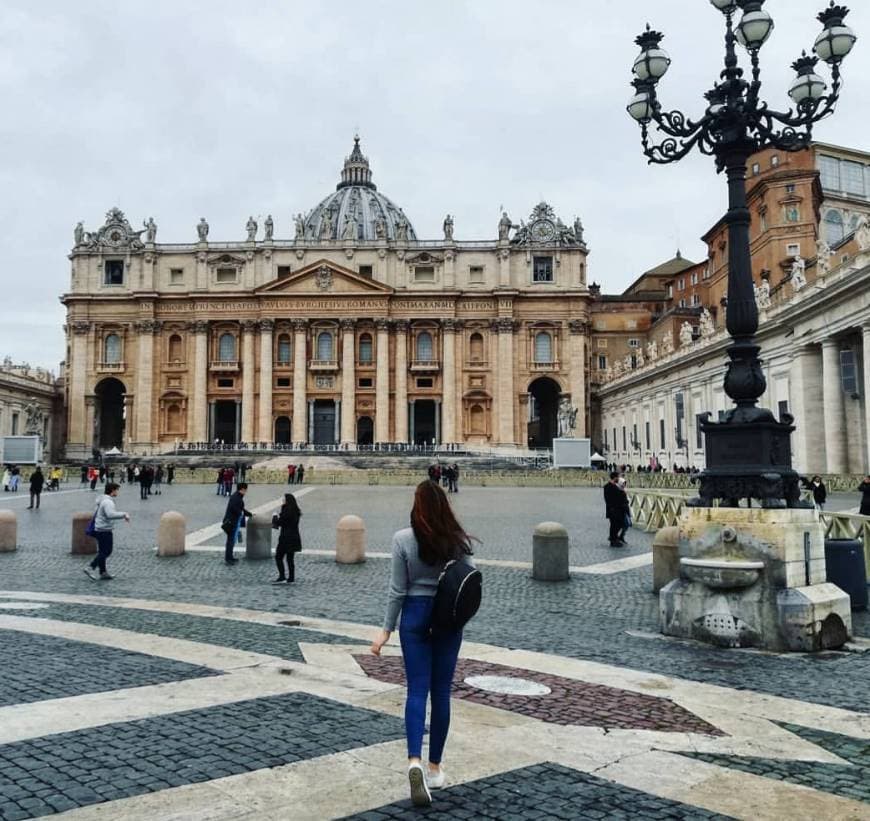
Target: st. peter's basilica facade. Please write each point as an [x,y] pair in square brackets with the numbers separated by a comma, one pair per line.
[353,332]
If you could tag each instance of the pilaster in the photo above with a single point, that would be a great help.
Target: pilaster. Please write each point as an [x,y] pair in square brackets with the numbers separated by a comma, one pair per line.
[247,428]
[348,382]
[382,382]
[300,375]
[266,432]
[401,402]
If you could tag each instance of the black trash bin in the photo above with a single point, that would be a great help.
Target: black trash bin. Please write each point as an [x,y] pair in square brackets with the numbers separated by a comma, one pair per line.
[844,560]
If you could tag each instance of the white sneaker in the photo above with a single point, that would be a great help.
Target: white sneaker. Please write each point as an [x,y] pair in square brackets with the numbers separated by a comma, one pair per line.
[420,795]
[435,781]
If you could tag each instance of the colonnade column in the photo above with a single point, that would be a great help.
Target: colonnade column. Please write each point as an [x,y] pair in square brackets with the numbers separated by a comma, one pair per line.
[197,420]
[835,422]
[411,423]
[798,407]
[348,382]
[401,327]
[505,327]
[78,381]
[266,433]
[382,382]
[865,366]
[248,429]
[310,436]
[145,380]
[577,372]
[300,376]
[448,382]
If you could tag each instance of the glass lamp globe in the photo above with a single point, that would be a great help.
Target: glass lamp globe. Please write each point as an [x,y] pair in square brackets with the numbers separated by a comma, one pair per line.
[651,64]
[834,43]
[806,88]
[725,6]
[640,107]
[754,28]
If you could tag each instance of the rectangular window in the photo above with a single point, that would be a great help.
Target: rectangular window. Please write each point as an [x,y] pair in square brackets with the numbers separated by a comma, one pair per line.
[696,299]
[670,291]
[284,271]
[635,443]
[680,413]
[602,362]
[699,434]
[694,279]
[542,269]
[424,382]
[225,275]
[662,434]
[614,438]
[15,424]
[475,273]
[366,271]
[847,372]
[114,272]
[681,284]
[633,361]
[683,303]
[424,273]
[606,444]
[852,174]
[176,276]
[225,383]
[624,439]
[283,382]
[756,168]
[646,431]
[782,407]
[633,343]
[793,249]
[790,188]
[829,172]
[774,161]
[366,382]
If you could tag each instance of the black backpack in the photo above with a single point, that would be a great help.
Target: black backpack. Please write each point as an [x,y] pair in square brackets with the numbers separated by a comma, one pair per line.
[457,598]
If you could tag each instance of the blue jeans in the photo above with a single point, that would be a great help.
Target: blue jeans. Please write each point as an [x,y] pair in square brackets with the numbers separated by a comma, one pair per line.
[104,549]
[429,667]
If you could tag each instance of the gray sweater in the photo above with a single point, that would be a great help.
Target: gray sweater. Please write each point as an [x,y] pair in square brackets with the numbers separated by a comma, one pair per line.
[410,576]
[107,515]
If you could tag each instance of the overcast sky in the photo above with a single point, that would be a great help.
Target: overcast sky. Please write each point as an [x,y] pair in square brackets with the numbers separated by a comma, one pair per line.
[181,109]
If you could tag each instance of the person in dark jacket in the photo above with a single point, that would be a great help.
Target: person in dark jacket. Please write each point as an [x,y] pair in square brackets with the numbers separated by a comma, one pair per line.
[232,522]
[864,490]
[289,540]
[820,492]
[37,480]
[615,508]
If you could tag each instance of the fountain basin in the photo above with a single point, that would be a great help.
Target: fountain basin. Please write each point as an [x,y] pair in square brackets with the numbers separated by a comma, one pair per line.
[721,573]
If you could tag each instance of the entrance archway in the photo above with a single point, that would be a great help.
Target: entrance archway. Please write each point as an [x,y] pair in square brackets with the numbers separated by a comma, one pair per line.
[282,430]
[423,420]
[225,421]
[109,420]
[543,412]
[365,430]
[324,422]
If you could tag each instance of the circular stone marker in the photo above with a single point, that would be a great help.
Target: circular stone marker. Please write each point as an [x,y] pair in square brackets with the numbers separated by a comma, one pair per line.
[22,605]
[508,686]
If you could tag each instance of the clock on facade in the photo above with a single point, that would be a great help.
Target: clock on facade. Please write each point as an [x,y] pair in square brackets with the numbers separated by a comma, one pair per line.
[542,231]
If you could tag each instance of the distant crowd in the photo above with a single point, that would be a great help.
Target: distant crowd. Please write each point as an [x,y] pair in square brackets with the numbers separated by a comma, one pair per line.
[445,475]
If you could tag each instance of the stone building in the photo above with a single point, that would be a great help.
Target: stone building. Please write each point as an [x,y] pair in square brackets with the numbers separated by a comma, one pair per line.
[31,404]
[353,331]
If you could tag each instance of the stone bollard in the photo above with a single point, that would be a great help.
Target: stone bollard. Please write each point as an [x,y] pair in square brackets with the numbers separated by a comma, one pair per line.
[8,531]
[80,543]
[171,534]
[666,557]
[258,539]
[350,540]
[550,553]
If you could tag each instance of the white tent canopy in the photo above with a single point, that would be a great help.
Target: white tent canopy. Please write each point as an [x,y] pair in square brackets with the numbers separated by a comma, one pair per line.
[113,452]
[597,457]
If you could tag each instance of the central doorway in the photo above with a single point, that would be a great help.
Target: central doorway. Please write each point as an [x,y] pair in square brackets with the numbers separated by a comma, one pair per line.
[282,430]
[225,418]
[543,412]
[324,422]
[109,424]
[365,430]
[423,420]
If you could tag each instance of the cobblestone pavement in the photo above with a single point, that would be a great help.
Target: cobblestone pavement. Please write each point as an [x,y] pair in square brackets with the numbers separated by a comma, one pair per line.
[245,717]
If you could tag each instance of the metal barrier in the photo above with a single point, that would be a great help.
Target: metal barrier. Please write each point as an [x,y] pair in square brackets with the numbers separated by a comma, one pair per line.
[848,526]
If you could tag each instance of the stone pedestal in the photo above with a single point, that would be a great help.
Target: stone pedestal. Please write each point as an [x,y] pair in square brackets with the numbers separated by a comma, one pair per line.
[752,577]
[80,543]
[171,534]
[550,546]
[666,557]
[572,453]
[350,540]
[8,531]
[258,539]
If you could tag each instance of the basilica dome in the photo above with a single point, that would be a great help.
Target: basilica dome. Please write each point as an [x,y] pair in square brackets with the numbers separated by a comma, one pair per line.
[357,210]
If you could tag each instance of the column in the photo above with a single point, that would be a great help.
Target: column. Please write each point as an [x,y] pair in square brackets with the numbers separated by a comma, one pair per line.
[448,381]
[128,420]
[438,408]
[348,383]
[211,422]
[577,372]
[266,432]
[865,368]
[310,437]
[238,431]
[382,382]
[199,427]
[504,327]
[336,435]
[401,423]
[78,370]
[411,421]
[90,422]
[835,441]
[145,381]
[300,376]
[247,427]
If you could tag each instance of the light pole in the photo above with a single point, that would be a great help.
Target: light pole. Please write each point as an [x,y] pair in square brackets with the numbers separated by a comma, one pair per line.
[749,453]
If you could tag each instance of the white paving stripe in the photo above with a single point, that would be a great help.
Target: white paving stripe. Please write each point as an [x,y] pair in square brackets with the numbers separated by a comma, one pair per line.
[197,537]
[617,565]
[23,495]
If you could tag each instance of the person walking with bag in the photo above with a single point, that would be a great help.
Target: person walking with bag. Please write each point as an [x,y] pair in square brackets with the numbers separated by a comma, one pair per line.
[423,555]
[37,481]
[289,540]
[101,528]
[232,522]
[615,509]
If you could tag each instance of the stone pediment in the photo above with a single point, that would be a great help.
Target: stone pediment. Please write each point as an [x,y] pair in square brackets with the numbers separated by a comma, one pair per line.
[324,278]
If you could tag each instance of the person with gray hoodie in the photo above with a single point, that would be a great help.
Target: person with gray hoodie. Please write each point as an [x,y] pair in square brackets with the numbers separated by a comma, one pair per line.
[105,517]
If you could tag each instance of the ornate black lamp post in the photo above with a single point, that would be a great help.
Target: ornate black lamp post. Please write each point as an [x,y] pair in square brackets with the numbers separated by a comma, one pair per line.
[749,453]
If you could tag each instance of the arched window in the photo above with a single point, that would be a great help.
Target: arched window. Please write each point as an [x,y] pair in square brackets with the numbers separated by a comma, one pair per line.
[112,349]
[227,348]
[176,348]
[324,346]
[173,419]
[543,347]
[475,345]
[366,353]
[834,228]
[424,347]
[478,419]
[284,349]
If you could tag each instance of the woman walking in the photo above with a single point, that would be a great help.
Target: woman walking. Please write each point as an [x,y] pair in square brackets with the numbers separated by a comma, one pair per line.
[104,523]
[420,554]
[289,541]
[864,490]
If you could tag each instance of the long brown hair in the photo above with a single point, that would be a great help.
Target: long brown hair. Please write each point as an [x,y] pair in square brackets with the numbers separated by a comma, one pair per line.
[440,537]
